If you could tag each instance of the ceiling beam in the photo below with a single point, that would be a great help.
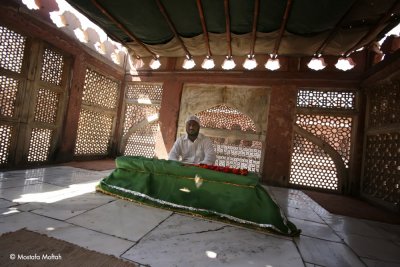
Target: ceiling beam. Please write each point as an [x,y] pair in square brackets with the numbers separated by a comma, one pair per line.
[282,29]
[123,28]
[228,27]
[332,34]
[204,26]
[255,22]
[172,27]
[381,21]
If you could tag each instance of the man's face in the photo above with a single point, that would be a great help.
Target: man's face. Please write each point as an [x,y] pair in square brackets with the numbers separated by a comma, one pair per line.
[192,128]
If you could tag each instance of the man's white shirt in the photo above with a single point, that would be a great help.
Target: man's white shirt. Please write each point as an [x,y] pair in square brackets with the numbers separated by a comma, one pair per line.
[199,151]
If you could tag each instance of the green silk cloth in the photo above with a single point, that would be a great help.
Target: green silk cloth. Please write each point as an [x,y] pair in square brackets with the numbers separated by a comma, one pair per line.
[184,188]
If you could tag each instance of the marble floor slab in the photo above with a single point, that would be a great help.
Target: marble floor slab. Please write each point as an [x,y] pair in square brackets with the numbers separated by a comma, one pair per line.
[386,230]
[122,218]
[327,253]
[15,182]
[68,207]
[30,221]
[317,230]
[345,225]
[92,240]
[374,263]
[40,192]
[6,203]
[73,178]
[374,248]
[61,202]
[188,241]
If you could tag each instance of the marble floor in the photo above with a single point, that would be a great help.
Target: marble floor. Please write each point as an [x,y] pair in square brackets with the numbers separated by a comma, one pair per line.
[61,202]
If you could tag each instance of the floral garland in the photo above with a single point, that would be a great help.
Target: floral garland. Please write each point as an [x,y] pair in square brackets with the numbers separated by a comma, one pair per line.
[225,169]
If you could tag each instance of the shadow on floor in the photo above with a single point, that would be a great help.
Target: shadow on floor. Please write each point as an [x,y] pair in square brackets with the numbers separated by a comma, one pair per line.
[352,207]
[94,165]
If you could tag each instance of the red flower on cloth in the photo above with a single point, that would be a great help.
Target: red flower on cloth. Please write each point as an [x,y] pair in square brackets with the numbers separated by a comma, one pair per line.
[225,169]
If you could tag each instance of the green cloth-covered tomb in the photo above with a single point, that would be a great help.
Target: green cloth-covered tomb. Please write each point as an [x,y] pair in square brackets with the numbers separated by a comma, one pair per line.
[184,188]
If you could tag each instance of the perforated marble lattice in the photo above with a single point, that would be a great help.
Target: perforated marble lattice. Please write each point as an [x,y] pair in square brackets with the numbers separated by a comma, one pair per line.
[384,107]
[137,113]
[144,91]
[142,142]
[5,142]
[238,156]
[311,166]
[326,99]
[46,106]
[334,130]
[39,145]
[8,95]
[100,90]
[382,167]
[231,151]
[94,132]
[12,46]
[52,67]
[225,117]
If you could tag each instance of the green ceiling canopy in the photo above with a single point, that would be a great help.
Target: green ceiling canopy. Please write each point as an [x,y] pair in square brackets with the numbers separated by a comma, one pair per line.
[306,18]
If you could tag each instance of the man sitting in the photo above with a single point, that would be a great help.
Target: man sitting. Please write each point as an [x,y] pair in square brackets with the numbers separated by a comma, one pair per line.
[193,147]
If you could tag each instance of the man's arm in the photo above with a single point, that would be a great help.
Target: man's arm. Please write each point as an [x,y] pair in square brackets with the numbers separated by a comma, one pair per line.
[175,151]
[209,153]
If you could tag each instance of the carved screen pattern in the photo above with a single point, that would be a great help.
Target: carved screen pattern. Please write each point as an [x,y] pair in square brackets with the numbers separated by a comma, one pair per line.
[244,156]
[312,166]
[144,91]
[5,142]
[232,153]
[384,105]
[12,46]
[94,131]
[8,95]
[46,106]
[382,167]
[224,117]
[100,90]
[336,131]
[39,145]
[136,113]
[52,67]
[325,99]
[142,142]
